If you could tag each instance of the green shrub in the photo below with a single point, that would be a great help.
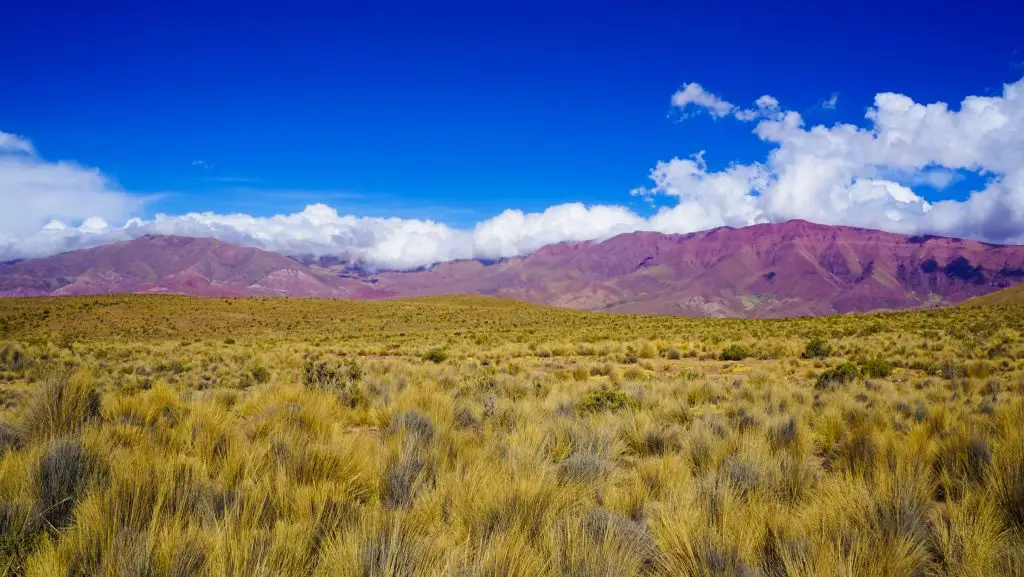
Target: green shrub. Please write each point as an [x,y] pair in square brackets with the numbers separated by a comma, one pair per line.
[321,375]
[353,370]
[841,374]
[735,352]
[318,374]
[603,400]
[877,368]
[817,348]
[436,356]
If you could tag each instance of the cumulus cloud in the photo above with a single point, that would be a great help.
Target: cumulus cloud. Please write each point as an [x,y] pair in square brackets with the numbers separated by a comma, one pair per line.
[34,191]
[863,175]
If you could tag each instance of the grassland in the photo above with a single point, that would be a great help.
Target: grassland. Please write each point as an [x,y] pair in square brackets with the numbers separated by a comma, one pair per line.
[468,436]
[1008,296]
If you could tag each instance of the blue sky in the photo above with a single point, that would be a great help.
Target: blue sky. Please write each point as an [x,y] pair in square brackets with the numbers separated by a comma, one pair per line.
[456,112]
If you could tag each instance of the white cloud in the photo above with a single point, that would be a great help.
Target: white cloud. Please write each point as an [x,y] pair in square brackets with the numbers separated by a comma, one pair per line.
[34,191]
[695,95]
[391,243]
[842,174]
[831,102]
[12,143]
[839,174]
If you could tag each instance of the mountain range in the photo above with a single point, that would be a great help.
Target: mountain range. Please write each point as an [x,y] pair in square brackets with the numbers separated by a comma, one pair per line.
[766,270]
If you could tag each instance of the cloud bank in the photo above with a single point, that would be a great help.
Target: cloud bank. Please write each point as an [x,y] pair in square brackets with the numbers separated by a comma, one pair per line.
[840,174]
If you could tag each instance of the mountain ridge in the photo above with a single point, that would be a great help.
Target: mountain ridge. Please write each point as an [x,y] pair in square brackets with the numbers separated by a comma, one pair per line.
[765,270]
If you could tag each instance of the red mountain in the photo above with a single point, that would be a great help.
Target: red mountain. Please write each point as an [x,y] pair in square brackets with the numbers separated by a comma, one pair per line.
[769,270]
[174,264]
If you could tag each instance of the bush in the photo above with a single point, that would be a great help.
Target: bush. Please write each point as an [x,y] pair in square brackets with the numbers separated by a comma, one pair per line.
[877,368]
[817,348]
[321,375]
[13,358]
[260,374]
[436,356]
[842,374]
[603,400]
[735,353]
[353,370]
[330,375]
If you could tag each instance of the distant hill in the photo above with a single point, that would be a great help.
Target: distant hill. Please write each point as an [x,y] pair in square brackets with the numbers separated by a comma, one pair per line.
[174,264]
[1009,296]
[767,270]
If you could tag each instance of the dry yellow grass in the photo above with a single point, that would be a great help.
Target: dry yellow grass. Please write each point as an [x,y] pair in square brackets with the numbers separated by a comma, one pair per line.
[466,436]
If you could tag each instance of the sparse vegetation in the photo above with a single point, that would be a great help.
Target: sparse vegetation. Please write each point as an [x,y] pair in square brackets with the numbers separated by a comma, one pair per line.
[469,436]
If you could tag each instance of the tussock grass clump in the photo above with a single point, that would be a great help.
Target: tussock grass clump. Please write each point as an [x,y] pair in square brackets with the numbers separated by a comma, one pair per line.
[404,475]
[1008,481]
[61,476]
[10,438]
[64,403]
